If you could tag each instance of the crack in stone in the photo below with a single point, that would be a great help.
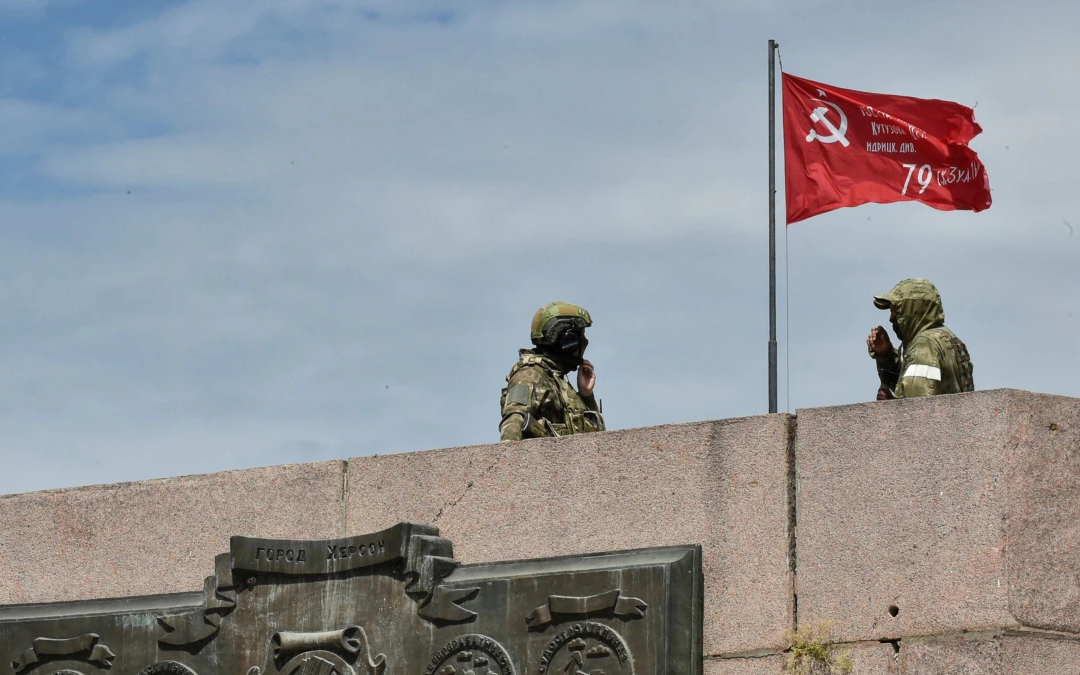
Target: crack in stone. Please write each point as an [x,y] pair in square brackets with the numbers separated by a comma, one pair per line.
[343,529]
[468,488]
[793,517]
[744,656]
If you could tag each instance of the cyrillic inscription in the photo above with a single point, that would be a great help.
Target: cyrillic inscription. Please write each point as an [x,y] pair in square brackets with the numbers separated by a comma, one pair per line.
[587,646]
[343,552]
[298,556]
[471,654]
[405,541]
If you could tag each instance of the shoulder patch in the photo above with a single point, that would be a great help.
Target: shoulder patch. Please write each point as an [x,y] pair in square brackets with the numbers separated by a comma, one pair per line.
[518,394]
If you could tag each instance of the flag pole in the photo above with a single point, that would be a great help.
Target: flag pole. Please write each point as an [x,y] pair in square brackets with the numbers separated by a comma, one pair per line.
[772,226]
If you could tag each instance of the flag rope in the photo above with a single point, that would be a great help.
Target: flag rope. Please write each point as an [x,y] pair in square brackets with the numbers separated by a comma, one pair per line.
[787,326]
[787,295]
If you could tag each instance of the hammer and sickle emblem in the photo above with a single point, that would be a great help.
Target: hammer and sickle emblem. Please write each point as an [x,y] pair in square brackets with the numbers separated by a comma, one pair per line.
[835,133]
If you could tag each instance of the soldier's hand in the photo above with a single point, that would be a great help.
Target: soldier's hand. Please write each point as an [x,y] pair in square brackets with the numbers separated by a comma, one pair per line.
[586,378]
[878,341]
[884,394]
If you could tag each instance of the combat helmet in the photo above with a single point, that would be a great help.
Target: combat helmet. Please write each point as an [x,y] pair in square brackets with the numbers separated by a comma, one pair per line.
[554,318]
[558,330]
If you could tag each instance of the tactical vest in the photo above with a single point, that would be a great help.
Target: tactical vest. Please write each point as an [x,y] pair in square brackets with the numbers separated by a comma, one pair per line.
[576,416]
[962,375]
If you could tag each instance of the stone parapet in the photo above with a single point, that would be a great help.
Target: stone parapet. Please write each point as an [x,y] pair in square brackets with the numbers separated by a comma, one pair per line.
[155,536]
[940,515]
[931,533]
[719,484]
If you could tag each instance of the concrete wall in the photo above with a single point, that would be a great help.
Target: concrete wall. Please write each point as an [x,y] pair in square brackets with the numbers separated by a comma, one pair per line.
[932,535]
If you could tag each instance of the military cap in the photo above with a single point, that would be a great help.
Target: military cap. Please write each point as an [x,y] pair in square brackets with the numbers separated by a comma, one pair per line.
[908,288]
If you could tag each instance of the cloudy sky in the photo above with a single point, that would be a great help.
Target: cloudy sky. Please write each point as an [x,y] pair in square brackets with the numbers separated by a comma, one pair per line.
[238,233]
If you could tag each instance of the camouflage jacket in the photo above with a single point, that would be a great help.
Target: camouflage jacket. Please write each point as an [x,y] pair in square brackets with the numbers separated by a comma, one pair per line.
[933,360]
[538,401]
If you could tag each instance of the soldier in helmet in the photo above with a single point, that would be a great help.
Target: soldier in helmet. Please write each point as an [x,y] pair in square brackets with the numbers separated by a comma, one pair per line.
[932,359]
[538,400]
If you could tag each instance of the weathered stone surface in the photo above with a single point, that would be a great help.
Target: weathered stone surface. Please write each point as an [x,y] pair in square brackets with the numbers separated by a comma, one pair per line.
[934,515]
[873,658]
[1021,655]
[720,484]
[157,536]
[1000,655]
[866,659]
[951,656]
[1043,519]
[961,512]
[1005,655]
[761,665]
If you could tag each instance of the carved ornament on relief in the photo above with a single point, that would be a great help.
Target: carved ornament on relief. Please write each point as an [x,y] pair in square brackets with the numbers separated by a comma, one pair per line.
[219,599]
[317,663]
[416,552]
[167,668]
[587,648]
[313,663]
[612,603]
[471,655]
[84,647]
[428,560]
[321,652]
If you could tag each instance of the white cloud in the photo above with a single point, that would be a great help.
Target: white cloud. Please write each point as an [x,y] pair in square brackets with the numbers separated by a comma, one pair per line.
[238,231]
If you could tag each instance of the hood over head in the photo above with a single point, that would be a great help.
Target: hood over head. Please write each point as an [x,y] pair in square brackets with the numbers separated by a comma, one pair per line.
[918,307]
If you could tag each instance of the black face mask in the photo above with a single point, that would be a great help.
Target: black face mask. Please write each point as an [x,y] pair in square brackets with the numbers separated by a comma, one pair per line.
[569,348]
[896,327]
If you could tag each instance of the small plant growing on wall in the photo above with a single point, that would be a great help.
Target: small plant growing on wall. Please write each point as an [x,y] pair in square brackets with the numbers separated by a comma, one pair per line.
[812,651]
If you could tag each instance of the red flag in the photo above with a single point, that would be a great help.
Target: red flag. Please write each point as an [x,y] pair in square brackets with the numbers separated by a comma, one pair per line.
[845,148]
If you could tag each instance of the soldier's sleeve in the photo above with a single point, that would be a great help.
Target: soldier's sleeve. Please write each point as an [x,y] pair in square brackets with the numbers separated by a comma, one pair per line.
[888,368]
[590,402]
[594,419]
[511,427]
[520,413]
[921,374]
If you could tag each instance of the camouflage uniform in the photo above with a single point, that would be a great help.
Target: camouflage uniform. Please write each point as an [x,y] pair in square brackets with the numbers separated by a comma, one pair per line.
[539,401]
[933,360]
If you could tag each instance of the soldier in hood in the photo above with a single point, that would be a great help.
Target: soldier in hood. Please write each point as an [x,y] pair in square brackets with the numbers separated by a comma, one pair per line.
[931,359]
[538,400]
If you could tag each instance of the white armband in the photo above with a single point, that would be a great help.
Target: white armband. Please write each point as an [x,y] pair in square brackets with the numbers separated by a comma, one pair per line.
[929,372]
